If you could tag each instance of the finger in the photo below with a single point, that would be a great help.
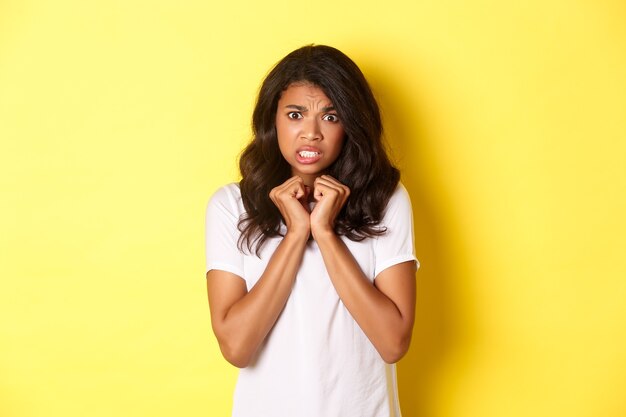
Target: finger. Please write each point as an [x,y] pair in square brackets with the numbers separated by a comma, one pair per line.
[293,187]
[297,189]
[288,184]
[325,186]
[284,191]
[323,192]
[305,196]
[330,182]
[329,178]
[334,183]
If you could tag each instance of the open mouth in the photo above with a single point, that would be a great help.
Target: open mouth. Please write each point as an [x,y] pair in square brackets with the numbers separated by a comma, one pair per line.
[308,154]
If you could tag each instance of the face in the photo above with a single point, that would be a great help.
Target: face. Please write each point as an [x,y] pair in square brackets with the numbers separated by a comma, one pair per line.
[310,134]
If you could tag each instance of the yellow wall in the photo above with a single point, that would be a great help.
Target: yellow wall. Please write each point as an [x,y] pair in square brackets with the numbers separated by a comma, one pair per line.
[118,119]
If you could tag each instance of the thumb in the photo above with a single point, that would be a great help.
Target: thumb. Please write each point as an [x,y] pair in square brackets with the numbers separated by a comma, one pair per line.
[305,195]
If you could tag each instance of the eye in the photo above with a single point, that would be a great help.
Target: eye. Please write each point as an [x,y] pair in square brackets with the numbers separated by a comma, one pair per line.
[294,115]
[331,118]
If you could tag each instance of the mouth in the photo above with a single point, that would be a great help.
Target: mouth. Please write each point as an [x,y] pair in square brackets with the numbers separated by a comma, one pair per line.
[307,156]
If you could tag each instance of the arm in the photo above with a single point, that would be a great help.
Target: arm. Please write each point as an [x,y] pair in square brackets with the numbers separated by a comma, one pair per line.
[385,309]
[240,319]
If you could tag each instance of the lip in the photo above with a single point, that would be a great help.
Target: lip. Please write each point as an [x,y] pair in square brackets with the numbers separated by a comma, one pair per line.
[308,159]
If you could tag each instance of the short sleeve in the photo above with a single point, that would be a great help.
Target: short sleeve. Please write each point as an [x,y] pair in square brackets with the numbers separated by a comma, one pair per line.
[221,232]
[397,244]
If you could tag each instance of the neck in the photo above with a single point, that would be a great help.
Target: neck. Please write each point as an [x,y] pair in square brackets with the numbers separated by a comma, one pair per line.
[309,180]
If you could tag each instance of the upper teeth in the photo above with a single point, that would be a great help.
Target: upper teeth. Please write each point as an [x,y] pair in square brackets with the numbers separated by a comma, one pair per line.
[308,154]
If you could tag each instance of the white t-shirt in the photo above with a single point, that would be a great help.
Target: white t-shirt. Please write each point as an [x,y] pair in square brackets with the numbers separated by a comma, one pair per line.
[316,361]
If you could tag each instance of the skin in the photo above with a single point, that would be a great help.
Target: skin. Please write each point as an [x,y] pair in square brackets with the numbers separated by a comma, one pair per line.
[307,120]
[384,309]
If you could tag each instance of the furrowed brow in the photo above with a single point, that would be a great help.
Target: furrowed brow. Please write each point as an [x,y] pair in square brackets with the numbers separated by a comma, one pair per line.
[328,108]
[295,106]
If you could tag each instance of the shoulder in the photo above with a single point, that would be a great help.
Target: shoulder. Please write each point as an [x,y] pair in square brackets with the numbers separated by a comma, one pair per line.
[398,210]
[229,192]
[399,199]
[227,197]
[400,192]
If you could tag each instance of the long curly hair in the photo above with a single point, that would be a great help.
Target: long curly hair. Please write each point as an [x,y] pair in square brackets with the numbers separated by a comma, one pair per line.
[362,165]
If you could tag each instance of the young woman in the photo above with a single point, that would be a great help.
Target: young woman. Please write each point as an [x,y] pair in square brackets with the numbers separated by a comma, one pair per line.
[310,258]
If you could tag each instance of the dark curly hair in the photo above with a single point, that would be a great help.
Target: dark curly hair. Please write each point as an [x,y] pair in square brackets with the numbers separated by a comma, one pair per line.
[362,165]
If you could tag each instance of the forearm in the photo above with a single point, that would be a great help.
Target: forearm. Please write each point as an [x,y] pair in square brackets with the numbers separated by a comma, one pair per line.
[386,325]
[245,324]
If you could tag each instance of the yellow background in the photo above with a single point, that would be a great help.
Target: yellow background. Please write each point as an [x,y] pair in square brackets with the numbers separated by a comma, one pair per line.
[118,120]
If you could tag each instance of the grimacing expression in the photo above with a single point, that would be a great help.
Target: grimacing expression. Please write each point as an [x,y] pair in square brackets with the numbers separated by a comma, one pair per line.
[310,134]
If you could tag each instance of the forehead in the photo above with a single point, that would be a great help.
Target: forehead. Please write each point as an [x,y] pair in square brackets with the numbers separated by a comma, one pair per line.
[304,92]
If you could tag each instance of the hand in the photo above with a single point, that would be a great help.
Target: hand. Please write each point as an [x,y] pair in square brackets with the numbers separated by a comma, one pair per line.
[291,198]
[330,195]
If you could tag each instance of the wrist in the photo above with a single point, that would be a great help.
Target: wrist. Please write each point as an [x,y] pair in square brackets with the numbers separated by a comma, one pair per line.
[298,233]
[321,233]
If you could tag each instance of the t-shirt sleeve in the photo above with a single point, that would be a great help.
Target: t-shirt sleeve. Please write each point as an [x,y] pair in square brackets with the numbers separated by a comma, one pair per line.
[221,232]
[397,244]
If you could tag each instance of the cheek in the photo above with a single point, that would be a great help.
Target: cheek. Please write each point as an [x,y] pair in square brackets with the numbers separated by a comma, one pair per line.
[281,135]
[284,131]
[286,145]
[337,135]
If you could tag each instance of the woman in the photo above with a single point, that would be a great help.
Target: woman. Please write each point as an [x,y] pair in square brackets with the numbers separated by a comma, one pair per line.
[310,258]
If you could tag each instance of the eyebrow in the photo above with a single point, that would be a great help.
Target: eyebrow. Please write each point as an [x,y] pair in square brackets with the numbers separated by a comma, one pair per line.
[304,109]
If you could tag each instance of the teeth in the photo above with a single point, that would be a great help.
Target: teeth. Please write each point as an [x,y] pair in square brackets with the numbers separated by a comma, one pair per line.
[308,154]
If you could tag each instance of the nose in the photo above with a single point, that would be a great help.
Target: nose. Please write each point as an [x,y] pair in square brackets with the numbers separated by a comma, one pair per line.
[311,130]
